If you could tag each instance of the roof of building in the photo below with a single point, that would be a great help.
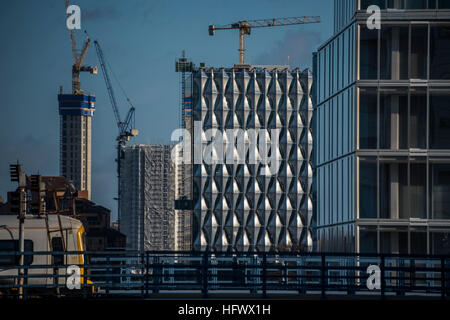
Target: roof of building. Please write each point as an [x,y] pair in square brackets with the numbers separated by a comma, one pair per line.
[108,233]
[57,183]
[87,206]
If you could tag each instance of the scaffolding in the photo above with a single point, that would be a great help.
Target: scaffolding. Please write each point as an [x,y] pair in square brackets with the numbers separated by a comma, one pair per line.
[147,185]
[183,223]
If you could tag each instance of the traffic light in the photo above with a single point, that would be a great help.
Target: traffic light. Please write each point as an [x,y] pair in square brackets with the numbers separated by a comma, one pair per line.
[14,170]
[14,202]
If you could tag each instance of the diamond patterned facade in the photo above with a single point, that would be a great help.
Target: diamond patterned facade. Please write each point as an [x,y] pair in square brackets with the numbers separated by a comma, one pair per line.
[236,208]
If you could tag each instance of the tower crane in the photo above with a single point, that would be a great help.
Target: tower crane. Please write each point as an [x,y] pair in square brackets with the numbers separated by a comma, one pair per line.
[245,27]
[126,127]
[78,60]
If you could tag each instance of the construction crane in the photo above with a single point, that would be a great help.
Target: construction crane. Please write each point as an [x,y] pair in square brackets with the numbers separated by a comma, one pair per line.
[78,60]
[126,127]
[245,27]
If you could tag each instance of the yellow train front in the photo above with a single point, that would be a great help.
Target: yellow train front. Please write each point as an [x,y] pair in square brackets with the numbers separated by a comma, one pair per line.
[46,245]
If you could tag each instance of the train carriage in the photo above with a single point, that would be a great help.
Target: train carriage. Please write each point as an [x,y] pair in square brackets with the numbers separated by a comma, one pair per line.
[65,236]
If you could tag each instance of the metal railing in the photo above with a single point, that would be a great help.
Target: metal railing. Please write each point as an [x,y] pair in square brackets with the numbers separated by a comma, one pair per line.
[143,275]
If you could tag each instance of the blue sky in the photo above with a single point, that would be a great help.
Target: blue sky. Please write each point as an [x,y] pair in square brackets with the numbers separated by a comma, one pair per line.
[141,39]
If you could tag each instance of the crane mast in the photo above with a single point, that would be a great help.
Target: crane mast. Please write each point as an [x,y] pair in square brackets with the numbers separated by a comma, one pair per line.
[245,27]
[125,127]
[109,88]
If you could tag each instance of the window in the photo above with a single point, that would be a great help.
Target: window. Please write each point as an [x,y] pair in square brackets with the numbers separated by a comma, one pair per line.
[404,51]
[13,247]
[440,242]
[367,3]
[418,119]
[439,119]
[394,241]
[416,4]
[419,48]
[394,52]
[386,53]
[368,189]
[418,190]
[398,129]
[440,184]
[368,53]
[393,190]
[368,118]
[395,4]
[440,52]
[412,4]
[393,118]
[444,4]
[401,185]
[368,240]
[57,245]
[418,241]
[7,246]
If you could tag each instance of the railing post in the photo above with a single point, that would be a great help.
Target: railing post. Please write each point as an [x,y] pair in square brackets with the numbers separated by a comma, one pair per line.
[401,280]
[147,276]
[84,284]
[157,268]
[382,277]
[253,272]
[264,275]
[443,279]
[350,272]
[323,276]
[25,282]
[299,275]
[108,270]
[205,275]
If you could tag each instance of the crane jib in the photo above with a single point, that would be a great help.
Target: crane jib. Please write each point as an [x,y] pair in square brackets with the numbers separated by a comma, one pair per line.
[245,27]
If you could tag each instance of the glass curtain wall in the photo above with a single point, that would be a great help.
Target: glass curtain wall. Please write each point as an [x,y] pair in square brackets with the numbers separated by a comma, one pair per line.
[396,188]
[402,52]
[401,118]
[402,239]
[406,4]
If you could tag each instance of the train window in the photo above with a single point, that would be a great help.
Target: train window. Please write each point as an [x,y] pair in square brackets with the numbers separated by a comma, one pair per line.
[13,246]
[28,244]
[57,245]
[7,259]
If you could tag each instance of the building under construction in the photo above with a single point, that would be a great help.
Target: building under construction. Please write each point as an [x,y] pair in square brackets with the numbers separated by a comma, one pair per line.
[231,205]
[147,191]
[183,169]
[76,112]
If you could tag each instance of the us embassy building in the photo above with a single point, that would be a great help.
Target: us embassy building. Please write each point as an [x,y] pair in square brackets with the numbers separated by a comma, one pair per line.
[251,188]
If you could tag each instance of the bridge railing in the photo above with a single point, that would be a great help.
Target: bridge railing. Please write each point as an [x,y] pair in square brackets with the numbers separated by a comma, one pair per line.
[144,274]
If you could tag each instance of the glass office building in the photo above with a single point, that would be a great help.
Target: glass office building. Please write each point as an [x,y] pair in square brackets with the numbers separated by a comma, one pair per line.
[382,129]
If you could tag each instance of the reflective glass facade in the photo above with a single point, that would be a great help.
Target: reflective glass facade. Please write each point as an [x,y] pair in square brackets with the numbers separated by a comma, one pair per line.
[382,130]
